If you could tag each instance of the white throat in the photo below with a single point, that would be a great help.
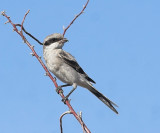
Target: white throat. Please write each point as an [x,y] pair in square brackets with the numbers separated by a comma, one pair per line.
[49,49]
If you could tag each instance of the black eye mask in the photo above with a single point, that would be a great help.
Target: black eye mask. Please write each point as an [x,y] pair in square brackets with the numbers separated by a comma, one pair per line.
[52,40]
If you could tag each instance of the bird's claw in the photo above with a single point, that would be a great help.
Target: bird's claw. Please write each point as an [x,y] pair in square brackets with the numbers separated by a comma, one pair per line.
[59,89]
[65,99]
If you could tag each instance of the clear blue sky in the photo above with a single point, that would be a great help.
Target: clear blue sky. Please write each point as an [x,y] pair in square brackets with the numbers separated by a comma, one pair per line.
[116,42]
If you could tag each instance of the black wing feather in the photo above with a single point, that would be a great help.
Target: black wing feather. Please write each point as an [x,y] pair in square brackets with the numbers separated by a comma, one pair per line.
[69,59]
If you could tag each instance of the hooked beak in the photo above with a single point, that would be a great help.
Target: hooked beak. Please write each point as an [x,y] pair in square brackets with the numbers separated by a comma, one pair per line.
[65,40]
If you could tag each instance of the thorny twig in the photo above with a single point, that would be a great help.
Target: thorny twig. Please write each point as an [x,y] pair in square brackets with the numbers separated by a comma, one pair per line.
[29,34]
[23,23]
[65,29]
[41,62]
[84,7]
[80,116]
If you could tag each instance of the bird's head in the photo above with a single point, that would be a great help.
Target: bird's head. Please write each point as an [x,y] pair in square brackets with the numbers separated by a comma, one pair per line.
[55,41]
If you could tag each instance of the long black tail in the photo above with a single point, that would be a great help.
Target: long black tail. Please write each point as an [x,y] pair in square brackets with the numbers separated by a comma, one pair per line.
[104,99]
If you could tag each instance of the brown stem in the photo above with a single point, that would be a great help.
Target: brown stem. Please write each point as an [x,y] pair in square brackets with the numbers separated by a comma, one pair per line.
[23,21]
[75,18]
[29,34]
[43,65]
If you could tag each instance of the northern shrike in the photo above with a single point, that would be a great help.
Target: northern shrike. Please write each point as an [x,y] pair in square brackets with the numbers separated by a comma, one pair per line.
[64,66]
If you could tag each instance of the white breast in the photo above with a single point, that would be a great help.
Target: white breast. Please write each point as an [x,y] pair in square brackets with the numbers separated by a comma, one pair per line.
[58,67]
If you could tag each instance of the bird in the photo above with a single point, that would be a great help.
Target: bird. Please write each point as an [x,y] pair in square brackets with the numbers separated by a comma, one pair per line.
[65,67]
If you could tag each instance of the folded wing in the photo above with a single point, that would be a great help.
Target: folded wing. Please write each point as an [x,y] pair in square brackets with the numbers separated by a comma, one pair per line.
[70,60]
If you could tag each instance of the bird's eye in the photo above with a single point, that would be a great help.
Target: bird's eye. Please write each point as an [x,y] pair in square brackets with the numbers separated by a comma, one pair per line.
[54,40]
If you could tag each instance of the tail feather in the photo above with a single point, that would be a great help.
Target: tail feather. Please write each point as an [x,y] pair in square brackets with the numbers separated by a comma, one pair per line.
[104,99]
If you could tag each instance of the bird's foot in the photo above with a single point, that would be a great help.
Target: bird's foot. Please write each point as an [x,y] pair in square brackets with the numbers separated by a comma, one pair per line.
[59,89]
[64,100]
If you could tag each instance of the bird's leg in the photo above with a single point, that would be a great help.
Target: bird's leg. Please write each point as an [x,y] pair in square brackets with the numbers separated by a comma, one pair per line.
[59,88]
[66,97]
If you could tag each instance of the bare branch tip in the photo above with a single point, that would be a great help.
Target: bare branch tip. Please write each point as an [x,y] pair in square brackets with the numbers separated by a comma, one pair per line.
[32,46]
[32,54]
[76,16]
[64,27]
[24,41]
[14,29]
[46,74]
[80,114]
[28,11]
[6,22]
[3,13]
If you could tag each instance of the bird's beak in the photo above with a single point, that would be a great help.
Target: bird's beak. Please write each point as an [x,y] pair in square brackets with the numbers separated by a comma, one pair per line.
[65,40]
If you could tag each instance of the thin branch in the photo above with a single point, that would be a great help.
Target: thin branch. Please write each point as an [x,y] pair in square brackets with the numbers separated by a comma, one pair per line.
[67,112]
[84,7]
[29,34]
[24,20]
[43,65]
[22,29]
[80,116]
